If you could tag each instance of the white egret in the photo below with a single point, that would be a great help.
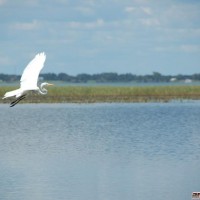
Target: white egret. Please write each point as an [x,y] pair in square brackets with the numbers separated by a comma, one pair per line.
[29,79]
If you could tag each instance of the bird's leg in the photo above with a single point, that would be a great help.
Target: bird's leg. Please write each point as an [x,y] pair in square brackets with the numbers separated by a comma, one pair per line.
[17,100]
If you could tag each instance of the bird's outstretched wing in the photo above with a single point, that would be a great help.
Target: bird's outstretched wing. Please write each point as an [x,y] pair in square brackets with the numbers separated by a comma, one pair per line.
[30,75]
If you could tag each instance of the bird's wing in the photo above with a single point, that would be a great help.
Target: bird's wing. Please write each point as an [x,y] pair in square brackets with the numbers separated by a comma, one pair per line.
[30,75]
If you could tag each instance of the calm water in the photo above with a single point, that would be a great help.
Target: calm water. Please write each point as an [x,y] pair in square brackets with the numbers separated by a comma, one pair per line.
[113,84]
[100,151]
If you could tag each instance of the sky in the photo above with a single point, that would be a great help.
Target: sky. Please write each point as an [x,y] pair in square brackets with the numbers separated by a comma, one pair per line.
[96,36]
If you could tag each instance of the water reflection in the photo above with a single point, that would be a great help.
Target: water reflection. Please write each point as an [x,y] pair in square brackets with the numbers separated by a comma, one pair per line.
[99,151]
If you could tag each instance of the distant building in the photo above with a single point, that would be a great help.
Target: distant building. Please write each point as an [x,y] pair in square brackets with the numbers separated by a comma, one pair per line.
[188,81]
[173,79]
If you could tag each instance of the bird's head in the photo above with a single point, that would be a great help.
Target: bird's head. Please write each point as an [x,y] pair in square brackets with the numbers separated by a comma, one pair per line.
[42,89]
[46,84]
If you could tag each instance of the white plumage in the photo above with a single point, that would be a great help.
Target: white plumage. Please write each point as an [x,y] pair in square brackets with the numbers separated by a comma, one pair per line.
[29,79]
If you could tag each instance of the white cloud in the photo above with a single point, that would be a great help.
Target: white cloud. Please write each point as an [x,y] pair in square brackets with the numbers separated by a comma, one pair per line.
[30,3]
[194,32]
[150,21]
[189,48]
[87,25]
[85,10]
[2,2]
[64,2]
[26,26]
[167,48]
[177,34]
[105,38]
[133,9]
[181,15]
[147,10]
[186,48]
[141,1]
[130,9]
[90,2]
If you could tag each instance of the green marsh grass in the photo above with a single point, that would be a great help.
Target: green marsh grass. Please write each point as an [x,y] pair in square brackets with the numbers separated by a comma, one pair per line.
[92,94]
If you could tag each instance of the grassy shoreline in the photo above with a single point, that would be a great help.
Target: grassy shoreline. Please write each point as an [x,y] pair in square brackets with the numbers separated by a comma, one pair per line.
[100,94]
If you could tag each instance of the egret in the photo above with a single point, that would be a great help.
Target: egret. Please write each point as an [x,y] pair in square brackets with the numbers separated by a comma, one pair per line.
[29,79]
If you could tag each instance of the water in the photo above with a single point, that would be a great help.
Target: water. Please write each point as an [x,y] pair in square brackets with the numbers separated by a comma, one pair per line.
[100,151]
[113,84]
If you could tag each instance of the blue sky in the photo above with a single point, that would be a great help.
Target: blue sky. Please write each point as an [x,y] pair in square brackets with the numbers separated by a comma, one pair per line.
[95,36]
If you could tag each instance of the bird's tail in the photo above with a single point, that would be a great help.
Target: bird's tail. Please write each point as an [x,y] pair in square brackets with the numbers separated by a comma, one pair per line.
[12,93]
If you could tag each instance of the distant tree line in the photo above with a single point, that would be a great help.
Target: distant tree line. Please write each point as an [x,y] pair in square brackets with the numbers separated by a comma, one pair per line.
[106,77]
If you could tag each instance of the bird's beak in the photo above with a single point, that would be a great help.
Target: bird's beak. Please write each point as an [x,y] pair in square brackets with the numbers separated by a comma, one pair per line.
[50,84]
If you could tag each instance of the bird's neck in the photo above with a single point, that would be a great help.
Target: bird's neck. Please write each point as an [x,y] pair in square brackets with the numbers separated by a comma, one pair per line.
[42,90]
